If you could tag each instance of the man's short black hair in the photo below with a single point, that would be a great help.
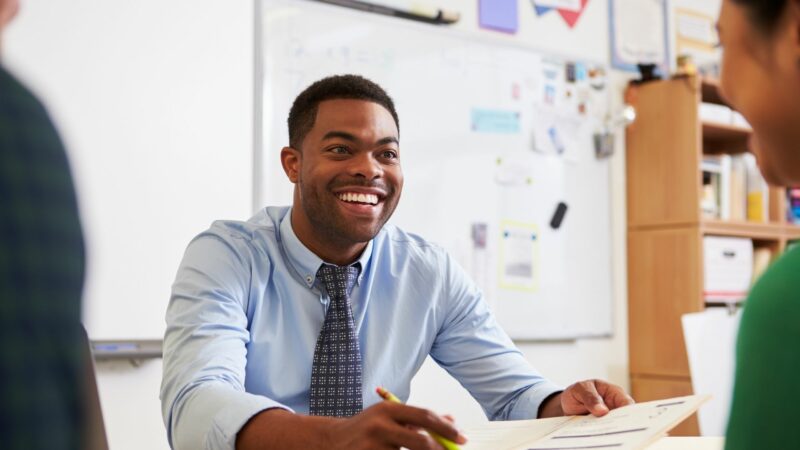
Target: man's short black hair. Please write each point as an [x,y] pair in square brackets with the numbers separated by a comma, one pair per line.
[337,87]
[765,14]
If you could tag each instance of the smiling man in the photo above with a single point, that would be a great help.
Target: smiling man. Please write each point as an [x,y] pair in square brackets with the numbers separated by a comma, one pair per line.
[281,328]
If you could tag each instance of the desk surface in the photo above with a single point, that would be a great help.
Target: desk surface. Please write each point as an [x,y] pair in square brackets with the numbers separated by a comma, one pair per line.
[689,443]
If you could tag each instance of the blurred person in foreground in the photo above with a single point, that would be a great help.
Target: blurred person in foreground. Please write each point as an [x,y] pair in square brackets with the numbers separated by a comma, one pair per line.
[41,276]
[761,79]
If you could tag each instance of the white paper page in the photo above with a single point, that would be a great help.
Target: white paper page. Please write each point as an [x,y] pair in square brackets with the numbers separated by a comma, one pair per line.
[507,435]
[710,338]
[639,28]
[696,27]
[628,428]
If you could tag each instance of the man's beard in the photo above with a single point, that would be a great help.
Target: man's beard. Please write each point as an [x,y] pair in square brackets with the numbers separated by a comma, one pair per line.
[327,220]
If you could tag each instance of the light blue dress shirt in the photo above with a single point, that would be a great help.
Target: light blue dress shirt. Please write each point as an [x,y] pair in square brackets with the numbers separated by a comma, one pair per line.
[246,310]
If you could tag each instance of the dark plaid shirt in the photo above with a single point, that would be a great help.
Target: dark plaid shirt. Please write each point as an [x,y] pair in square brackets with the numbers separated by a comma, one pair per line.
[41,277]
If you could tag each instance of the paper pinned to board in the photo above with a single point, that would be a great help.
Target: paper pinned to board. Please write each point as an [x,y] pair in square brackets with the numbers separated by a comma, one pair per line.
[639,33]
[519,256]
[696,36]
[557,134]
[516,172]
[496,121]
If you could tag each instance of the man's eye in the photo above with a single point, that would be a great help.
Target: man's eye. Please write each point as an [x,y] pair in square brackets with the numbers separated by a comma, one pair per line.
[339,150]
[389,154]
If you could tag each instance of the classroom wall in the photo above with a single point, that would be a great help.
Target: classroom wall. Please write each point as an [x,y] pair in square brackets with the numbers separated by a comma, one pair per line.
[50,46]
[154,102]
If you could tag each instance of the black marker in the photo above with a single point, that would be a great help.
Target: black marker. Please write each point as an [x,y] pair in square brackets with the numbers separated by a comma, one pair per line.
[558,216]
[437,17]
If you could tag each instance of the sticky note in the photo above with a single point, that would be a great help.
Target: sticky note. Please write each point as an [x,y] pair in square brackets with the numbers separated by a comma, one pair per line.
[499,15]
[495,121]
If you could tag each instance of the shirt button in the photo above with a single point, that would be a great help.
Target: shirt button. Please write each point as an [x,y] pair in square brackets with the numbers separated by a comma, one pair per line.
[309,279]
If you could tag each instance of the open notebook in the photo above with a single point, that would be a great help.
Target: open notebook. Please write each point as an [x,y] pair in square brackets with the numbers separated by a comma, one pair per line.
[631,427]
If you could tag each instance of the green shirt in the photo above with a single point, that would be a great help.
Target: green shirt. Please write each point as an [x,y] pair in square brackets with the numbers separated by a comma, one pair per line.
[766,395]
[41,277]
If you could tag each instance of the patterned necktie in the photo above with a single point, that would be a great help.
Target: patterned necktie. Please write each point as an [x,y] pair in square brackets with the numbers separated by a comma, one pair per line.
[336,370]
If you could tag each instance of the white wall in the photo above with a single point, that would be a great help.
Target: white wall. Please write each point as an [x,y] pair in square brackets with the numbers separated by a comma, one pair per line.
[138,86]
[154,102]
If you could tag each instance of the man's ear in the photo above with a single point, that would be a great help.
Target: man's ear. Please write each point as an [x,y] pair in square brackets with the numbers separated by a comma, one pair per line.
[291,160]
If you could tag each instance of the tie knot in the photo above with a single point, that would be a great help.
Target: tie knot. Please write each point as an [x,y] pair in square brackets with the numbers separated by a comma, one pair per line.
[338,280]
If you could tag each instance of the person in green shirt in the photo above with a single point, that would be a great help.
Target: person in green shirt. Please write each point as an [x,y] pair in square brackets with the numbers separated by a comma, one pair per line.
[761,79]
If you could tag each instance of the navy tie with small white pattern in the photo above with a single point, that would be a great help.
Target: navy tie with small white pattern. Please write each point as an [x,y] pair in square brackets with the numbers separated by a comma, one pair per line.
[336,370]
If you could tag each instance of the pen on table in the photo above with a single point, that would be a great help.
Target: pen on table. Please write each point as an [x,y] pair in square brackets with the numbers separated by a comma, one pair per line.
[446,443]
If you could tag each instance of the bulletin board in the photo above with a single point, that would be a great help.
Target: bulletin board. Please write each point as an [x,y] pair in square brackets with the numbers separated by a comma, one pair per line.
[494,137]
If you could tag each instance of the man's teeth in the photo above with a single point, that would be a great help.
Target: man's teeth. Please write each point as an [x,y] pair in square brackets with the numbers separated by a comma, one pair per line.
[372,199]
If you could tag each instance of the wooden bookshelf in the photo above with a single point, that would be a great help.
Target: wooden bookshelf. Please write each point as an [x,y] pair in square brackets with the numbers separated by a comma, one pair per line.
[792,232]
[666,226]
[753,230]
[710,91]
[725,138]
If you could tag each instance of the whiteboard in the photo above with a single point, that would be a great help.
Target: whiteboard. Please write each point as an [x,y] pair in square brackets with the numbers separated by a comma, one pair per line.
[157,126]
[476,148]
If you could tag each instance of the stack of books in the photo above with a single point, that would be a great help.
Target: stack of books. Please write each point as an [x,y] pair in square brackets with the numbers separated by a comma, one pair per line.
[734,189]
[793,205]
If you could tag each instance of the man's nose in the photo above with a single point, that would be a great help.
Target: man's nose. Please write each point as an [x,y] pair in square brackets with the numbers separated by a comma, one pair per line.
[367,166]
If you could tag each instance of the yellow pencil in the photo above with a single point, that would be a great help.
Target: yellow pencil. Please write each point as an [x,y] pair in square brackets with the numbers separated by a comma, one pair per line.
[446,443]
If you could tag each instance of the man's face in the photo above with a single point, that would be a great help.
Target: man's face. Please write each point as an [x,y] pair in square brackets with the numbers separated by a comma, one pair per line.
[761,79]
[347,173]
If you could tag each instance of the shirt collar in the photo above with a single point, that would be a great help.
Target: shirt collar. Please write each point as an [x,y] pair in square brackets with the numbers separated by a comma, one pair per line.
[304,261]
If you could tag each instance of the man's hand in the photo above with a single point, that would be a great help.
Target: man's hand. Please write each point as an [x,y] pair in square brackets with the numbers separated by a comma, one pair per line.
[390,426]
[595,397]
[384,425]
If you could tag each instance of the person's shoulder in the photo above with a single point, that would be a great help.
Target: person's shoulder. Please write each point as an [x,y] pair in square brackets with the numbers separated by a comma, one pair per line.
[16,99]
[780,280]
[11,84]
[775,296]
[414,246]
[258,232]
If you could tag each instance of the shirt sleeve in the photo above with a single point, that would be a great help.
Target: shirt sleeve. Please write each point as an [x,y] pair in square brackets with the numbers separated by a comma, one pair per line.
[203,400]
[473,348]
